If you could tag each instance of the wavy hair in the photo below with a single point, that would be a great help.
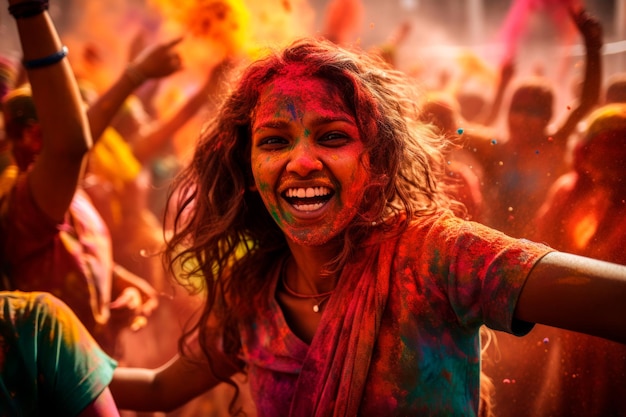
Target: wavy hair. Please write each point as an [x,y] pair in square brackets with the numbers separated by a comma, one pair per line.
[224,237]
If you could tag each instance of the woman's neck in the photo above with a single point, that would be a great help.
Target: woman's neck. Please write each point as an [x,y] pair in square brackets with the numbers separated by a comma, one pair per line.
[304,268]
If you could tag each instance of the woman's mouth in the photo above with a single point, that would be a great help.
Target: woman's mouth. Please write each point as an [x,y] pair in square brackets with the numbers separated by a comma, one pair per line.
[308,199]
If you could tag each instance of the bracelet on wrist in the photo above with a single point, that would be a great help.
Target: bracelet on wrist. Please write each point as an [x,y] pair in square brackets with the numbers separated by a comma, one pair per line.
[46,60]
[28,8]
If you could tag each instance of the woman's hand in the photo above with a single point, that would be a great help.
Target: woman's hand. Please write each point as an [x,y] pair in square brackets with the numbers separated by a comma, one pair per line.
[156,61]
[136,299]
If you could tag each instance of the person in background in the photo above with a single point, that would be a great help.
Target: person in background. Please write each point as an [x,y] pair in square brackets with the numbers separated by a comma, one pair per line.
[118,177]
[521,167]
[118,183]
[585,214]
[551,371]
[49,363]
[464,172]
[52,238]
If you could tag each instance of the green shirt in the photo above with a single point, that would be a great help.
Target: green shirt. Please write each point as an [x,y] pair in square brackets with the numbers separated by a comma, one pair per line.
[49,364]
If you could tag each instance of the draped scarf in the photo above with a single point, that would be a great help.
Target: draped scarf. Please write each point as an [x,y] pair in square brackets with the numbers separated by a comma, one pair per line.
[335,370]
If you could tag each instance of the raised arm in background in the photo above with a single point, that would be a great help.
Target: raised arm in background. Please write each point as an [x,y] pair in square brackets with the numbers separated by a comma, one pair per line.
[156,61]
[60,110]
[66,139]
[591,30]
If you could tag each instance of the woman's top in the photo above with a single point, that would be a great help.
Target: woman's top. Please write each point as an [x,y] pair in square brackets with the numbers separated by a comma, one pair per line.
[400,334]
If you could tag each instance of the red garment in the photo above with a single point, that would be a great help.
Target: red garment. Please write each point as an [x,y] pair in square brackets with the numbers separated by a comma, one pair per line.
[71,260]
[400,333]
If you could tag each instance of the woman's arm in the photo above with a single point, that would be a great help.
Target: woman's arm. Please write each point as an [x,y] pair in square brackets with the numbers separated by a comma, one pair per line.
[576,293]
[167,388]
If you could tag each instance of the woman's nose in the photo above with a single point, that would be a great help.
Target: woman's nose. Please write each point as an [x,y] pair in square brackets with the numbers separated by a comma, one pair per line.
[303,160]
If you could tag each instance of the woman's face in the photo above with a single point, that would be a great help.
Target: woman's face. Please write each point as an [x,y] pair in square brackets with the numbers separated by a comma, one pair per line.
[307,158]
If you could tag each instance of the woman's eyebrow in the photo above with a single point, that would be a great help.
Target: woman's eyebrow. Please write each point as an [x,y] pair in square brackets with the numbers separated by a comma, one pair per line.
[281,123]
[322,120]
[272,124]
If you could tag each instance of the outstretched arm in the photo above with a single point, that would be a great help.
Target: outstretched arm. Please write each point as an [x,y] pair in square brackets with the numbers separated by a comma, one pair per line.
[164,389]
[576,293]
[60,112]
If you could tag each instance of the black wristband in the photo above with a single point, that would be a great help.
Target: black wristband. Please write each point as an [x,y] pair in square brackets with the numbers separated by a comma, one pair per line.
[28,8]
[46,60]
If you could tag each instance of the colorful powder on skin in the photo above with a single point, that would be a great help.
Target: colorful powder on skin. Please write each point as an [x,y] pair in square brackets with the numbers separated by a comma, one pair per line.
[292,110]
[276,216]
[264,186]
[283,101]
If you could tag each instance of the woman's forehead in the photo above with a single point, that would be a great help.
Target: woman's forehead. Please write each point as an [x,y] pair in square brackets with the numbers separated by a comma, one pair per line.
[298,84]
[301,93]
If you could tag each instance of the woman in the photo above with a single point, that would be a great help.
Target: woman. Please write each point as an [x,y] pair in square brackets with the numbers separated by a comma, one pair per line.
[336,274]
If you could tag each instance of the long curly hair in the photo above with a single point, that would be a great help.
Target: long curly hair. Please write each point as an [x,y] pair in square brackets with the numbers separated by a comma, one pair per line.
[224,238]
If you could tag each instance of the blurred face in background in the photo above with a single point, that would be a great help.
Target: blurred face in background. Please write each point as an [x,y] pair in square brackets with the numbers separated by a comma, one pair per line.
[603,158]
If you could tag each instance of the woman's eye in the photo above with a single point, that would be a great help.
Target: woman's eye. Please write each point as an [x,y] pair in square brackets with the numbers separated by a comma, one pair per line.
[334,139]
[272,142]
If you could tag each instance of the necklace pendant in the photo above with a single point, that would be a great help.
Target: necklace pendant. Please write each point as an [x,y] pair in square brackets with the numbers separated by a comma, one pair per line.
[316,308]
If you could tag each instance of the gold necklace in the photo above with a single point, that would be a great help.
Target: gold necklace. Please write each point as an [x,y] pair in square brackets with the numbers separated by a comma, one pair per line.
[319,298]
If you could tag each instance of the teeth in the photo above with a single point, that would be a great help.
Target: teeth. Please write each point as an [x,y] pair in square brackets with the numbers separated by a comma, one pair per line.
[308,192]
[308,207]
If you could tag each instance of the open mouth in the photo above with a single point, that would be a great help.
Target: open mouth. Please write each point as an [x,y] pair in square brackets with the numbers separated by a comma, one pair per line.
[308,199]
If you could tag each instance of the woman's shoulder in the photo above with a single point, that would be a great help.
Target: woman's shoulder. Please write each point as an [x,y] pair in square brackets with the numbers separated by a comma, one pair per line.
[439,221]
[445,229]
[419,228]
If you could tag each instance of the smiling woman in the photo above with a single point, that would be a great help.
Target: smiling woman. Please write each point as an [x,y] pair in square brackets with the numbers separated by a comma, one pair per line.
[337,275]
[304,139]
